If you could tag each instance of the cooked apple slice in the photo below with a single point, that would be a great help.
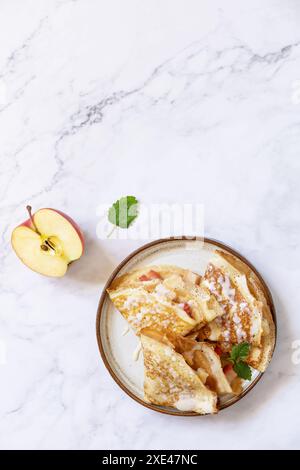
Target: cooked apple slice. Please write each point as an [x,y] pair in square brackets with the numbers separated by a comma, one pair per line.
[48,241]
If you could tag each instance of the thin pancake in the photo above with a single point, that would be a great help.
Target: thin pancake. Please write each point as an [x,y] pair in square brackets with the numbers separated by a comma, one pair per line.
[162,297]
[259,356]
[170,381]
[242,312]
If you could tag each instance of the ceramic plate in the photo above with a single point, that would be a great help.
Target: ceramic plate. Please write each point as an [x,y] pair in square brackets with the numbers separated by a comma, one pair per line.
[119,346]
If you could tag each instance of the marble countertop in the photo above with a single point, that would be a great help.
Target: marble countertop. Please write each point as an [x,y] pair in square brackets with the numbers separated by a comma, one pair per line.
[187,102]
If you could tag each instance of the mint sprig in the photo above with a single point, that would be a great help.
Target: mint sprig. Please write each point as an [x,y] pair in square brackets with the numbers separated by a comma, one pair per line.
[123,212]
[238,355]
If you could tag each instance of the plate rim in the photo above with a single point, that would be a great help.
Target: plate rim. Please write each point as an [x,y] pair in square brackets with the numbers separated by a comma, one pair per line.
[212,241]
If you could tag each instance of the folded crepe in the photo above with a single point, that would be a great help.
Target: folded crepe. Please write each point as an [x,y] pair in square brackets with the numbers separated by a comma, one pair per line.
[252,322]
[165,298]
[170,381]
[242,312]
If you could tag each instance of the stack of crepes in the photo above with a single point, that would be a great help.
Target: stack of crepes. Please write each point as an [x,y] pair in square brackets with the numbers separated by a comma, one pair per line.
[190,324]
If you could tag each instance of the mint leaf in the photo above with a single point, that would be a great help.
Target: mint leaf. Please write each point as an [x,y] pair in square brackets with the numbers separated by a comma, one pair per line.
[123,212]
[238,355]
[243,370]
[240,352]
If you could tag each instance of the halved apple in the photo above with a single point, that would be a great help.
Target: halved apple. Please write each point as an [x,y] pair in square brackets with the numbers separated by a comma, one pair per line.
[48,241]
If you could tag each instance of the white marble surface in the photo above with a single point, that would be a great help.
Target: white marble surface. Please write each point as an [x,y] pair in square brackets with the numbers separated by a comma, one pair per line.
[172,101]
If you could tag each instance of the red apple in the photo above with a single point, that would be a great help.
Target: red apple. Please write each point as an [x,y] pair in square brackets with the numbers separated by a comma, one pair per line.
[48,241]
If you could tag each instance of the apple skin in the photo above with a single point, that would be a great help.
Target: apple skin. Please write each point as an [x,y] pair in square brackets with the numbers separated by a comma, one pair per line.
[27,223]
[69,219]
